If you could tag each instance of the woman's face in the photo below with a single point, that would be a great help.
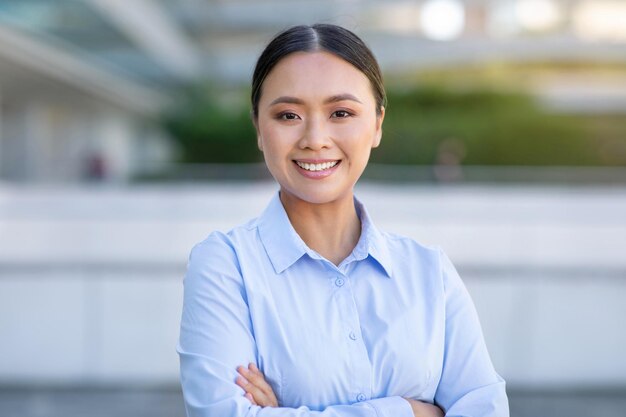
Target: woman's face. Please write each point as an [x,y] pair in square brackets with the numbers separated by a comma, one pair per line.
[316,125]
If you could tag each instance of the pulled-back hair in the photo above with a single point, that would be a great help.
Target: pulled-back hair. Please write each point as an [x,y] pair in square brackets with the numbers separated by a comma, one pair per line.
[319,37]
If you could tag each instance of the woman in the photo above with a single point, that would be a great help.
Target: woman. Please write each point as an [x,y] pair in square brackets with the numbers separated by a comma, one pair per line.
[334,317]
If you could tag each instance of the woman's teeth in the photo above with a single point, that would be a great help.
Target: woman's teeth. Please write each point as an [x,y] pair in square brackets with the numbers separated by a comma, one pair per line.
[317,167]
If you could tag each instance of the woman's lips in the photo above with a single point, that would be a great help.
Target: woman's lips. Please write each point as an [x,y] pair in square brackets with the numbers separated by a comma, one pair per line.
[317,168]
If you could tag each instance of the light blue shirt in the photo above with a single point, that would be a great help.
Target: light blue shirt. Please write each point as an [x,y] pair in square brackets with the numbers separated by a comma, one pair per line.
[392,320]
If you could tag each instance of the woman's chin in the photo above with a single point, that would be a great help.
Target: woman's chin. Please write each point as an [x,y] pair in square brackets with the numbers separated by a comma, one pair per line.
[314,196]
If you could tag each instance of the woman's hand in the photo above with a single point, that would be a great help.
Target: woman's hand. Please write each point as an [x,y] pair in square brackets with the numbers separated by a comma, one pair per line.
[258,391]
[421,409]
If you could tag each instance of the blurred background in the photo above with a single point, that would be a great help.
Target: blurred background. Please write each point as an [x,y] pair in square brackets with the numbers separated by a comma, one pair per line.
[125,138]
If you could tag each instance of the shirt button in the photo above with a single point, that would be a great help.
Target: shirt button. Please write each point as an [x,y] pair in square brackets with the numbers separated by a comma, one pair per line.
[339,282]
[360,397]
[352,336]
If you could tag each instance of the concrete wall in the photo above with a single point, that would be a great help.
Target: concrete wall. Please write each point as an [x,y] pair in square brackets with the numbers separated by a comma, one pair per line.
[91,278]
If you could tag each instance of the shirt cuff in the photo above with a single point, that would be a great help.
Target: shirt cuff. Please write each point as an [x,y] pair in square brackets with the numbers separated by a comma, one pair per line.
[391,407]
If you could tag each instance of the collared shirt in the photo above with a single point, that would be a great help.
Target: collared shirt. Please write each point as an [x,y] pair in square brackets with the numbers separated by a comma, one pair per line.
[392,320]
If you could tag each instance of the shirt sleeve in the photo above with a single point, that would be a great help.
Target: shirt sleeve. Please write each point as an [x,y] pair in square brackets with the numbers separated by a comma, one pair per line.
[216,336]
[469,386]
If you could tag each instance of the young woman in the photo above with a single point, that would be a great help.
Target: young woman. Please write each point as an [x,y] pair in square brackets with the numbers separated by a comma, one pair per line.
[328,315]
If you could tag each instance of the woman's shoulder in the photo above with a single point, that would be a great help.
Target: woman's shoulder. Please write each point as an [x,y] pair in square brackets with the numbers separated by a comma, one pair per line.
[220,254]
[432,260]
[226,243]
[405,244]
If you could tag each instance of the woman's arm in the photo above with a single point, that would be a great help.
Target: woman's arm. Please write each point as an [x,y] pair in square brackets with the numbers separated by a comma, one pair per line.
[260,393]
[469,384]
[216,336]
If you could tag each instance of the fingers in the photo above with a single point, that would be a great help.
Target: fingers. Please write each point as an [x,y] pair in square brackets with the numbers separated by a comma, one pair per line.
[252,381]
[253,393]
[256,378]
[252,367]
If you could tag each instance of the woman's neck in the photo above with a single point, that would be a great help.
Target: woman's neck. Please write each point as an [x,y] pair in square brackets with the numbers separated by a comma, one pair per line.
[331,229]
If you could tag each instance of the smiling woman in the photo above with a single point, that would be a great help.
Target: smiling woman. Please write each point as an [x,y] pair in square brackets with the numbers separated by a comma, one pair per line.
[307,121]
[331,316]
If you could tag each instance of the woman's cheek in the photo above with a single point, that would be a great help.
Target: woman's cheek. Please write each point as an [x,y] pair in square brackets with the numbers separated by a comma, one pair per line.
[283,137]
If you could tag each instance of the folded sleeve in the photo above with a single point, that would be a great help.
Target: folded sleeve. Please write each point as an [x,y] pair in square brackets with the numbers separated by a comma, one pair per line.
[216,336]
[469,386]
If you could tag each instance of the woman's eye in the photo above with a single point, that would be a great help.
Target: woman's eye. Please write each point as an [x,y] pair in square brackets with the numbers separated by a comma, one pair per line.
[341,114]
[288,116]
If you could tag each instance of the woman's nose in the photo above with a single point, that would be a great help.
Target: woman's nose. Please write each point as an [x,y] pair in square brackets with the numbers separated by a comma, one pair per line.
[315,135]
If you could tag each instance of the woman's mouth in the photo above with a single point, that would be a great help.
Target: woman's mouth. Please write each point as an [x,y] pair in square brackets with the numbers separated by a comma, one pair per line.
[316,170]
[313,167]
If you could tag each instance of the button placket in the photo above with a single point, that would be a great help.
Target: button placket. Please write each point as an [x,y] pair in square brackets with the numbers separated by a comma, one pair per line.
[358,356]
[362,370]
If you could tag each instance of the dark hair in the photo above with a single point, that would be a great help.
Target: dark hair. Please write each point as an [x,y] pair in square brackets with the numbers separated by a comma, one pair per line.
[319,37]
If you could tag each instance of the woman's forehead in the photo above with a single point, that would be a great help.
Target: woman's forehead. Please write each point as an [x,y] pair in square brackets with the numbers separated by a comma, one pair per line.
[315,74]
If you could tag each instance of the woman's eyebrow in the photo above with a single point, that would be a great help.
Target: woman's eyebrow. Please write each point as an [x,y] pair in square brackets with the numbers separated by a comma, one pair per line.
[331,99]
[287,99]
[342,97]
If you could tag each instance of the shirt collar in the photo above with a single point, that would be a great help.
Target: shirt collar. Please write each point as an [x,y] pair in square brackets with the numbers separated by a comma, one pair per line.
[284,246]
[372,241]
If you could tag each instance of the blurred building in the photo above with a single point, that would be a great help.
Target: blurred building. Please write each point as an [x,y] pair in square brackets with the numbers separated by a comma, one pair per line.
[66,115]
[82,81]
[63,120]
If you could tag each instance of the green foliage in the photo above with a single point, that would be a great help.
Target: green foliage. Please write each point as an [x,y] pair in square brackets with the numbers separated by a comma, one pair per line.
[487,127]
[209,131]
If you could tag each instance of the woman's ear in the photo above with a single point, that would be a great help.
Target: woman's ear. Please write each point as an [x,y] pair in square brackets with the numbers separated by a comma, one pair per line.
[259,142]
[379,127]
